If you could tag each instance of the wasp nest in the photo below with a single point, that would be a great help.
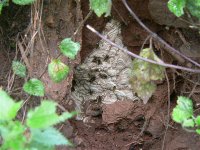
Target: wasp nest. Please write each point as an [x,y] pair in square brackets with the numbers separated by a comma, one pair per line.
[104,75]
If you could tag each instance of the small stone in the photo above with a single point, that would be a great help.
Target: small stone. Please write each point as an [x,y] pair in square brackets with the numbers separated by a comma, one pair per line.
[94,110]
[50,21]
[70,102]
[122,125]
[78,140]
[112,72]
[112,113]
[68,129]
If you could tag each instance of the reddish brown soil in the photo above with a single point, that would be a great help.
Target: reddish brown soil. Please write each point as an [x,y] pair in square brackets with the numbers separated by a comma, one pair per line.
[122,125]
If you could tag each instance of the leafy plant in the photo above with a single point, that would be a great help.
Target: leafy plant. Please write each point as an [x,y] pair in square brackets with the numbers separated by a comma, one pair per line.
[34,87]
[144,73]
[57,70]
[37,133]
[19,69]
[101,6]
[183,113]
[177,7]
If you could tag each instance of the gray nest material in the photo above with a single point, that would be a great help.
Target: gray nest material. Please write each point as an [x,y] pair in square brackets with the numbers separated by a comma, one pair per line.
[104,75]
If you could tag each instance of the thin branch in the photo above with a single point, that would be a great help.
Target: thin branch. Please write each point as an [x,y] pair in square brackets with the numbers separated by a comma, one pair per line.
[83,22]
[25,59]
[139,57]
[193,89]
[154,35]
[168,110]
[145,41]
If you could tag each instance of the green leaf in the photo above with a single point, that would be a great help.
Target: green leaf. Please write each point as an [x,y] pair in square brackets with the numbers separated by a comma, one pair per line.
[1,7]
[198,131]
[67,115]
[69,48]
[176,7]
[13,135]
[49,137]
[38,146]
[57,70]
[179,115]
[144,73]
[2,4]
[183,109]
[188,123]
[19,69]
[194,7]
[197,120]
[101,6]
[34,87]
[23,2]
[8,108]
[45,115]
[143,90]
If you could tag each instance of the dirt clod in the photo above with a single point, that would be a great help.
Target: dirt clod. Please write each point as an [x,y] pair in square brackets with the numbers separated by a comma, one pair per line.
[112,113]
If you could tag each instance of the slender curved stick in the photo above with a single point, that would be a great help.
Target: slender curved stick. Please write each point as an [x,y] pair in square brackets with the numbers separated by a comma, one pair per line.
[139,57]
[154,35]
[145,41]
[168,110]
[83,22]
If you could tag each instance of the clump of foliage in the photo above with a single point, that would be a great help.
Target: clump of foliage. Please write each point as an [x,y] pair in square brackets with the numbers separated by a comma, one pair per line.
[183,113]
[144,74]
[57,70]
[37,133]
[177,7]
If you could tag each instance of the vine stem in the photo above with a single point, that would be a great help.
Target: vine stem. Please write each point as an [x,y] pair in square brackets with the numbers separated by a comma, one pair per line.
[139,57]
[155,36]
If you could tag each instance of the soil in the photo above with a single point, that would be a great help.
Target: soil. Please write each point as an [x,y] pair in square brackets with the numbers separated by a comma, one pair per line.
[123,125]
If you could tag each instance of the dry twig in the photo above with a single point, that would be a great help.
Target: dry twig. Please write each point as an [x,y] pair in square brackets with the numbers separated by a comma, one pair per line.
[168,110]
